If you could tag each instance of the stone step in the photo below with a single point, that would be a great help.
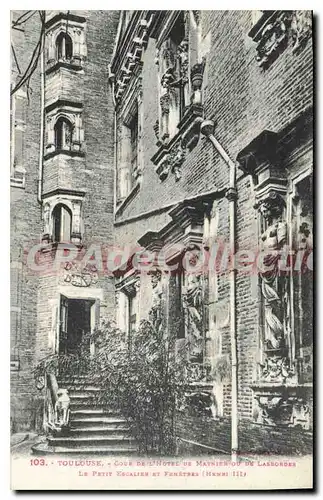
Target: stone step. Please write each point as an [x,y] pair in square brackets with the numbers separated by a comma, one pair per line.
[90,441]
[86,421]
[93,412]
[101,430]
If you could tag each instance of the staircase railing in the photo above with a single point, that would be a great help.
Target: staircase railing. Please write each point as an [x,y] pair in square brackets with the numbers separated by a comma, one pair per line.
[56,401]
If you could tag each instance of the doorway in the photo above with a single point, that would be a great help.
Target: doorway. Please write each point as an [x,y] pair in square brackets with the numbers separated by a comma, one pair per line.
[75,323]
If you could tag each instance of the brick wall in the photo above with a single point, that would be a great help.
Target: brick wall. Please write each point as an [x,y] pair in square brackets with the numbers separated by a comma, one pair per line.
[215,436]
[25,228]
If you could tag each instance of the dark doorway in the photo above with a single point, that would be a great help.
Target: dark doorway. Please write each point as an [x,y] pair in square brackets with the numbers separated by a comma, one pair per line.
[75,323]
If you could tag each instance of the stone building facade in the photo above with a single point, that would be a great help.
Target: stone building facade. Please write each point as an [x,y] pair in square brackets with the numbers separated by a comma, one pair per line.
[186,135]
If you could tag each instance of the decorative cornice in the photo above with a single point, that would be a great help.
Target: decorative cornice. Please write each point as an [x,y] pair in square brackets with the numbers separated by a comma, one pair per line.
[260,150]
[64,192]
[62,16]
[67,65]
[66,152]
[62,103]
[135,47]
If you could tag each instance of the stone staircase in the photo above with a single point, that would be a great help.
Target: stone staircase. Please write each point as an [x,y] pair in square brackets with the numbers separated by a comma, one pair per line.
[93,429]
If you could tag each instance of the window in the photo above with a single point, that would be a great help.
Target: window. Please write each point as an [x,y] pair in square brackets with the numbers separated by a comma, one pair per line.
[128,152]
[63,133]
[64,46]
[62,223]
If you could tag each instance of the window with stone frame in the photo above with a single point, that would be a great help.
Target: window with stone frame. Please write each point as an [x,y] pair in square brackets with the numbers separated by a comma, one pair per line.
[62,223]
[64,129]
[63,134]
[65,42]
[128,146]
[64,47]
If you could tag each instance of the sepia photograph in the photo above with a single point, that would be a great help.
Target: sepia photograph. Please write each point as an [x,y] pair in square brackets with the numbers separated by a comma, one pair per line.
[161,249]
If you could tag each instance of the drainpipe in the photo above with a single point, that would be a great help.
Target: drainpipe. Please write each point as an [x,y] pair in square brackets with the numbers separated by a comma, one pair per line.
[207,129]
[42,118]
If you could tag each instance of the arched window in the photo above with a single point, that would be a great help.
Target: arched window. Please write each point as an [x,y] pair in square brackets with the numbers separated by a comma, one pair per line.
[62,223]
[64,46]
[63,133]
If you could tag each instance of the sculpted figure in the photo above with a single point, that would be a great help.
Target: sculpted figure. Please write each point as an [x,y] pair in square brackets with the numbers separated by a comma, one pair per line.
[62,408]
[273,286]
[155,314]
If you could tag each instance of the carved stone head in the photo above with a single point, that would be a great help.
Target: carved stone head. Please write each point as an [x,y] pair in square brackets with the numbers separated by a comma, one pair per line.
[272,207]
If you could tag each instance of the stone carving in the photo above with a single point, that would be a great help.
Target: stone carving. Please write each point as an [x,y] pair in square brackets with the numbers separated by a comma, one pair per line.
[182,54]
[288,410]
[156,131]
[77,275]
[193,314]
[274,31]
[301,28]
[176,159]
[155,314]
[276,369]
[197,16]
[197,72]
[163,169]
[273,286]
[272,41]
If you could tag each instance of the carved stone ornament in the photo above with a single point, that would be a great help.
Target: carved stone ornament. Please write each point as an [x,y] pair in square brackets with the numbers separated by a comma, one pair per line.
[197,72]
[164,103]
[274,31]
[182,54]
[276,369]
[197,16]
[155,314]
[78,275]
[273,39]
[176,159]
[136,47]
[301,28]
[284,410]
[163,169]
[273,285]
[193,314]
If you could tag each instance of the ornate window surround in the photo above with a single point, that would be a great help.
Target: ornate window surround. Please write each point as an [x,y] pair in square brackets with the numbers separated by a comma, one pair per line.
[280,396]
[73,201]
[130,104]
[71,111]
[172,151]
[75,27]
[125,78]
